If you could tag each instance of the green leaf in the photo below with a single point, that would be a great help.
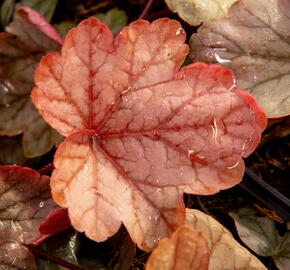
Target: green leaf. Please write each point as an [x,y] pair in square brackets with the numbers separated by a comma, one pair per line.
[64,245]
[282,258]
[6,13]
[261,235]
[115,19]
[64,27]
[46,8]
[258,233]
[117,253]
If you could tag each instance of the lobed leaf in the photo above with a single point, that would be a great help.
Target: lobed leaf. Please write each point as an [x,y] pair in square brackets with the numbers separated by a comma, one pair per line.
[140,130]
[197,11]
[225,251]
[186,249]
[21,47]
[260,234]
[254,42]
[25,200]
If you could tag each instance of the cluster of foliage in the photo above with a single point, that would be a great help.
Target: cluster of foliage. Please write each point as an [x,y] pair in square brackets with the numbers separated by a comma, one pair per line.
[134,130]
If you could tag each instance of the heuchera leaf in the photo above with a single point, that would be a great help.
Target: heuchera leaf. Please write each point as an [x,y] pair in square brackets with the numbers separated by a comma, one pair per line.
[56,221]
[225,251]
[6,11]
[197,11]
[254,42]
[21,47]
[260,234]
[65,246]
[46,8]
[186,249]
[25,200]
[11,151]
[115,19]
[140,131]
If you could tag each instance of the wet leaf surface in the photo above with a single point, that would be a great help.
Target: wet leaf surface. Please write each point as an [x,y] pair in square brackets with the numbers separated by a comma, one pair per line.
[64,246]
[133,134]
[254,42]
[25,200]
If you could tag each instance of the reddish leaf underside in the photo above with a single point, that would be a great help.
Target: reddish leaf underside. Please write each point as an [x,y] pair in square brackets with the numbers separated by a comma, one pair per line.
[55,222]
[25,200]
[140,131]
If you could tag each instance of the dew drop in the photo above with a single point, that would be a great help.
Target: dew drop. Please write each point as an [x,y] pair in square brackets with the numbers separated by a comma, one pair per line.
[156,240]
[41,204]
[168,93]
[235,165]
[155,136]
[221,60]
[214,129]
[178,31]
[194,158]
[126,90]
[190,152]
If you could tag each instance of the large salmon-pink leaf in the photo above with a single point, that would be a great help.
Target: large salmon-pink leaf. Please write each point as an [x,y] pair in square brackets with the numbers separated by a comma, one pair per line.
[186,249]
[25,200]
[140,131]
[254,42]
[27,38]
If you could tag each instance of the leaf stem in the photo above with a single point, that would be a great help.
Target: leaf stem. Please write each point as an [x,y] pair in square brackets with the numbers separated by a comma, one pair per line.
[146,9]
[42,254]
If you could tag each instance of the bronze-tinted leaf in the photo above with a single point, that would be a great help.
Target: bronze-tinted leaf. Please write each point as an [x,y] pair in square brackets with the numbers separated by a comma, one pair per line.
[27,38]
[25,200]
